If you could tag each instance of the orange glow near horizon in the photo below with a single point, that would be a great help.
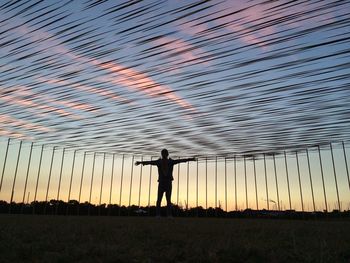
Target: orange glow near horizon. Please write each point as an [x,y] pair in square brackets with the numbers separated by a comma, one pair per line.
[225,189]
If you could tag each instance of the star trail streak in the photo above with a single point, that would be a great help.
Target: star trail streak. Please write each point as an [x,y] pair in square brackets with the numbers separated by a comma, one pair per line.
[197,77]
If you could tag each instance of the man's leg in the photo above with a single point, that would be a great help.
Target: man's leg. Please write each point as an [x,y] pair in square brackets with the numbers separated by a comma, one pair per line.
[168,198]
[159,198]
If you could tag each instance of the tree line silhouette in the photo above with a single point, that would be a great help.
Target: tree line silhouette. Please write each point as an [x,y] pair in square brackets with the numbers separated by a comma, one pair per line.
[73,207]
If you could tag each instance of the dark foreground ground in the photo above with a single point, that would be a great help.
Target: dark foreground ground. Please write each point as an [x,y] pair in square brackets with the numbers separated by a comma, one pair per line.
[27,238]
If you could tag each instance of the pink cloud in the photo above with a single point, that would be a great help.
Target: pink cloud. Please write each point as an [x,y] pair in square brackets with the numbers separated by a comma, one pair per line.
[73,105]
[28,103]
[251,16]
[130,78]
[260,14]
[11,121]
[191,28]
[246,36]
[139,81]
[103,93]
[7,133]
[25,91]
[185,51]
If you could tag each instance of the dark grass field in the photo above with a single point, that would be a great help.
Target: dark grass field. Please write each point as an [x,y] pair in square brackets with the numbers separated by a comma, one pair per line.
[27,238]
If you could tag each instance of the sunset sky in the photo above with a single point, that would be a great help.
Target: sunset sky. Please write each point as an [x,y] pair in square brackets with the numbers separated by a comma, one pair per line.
[196,77]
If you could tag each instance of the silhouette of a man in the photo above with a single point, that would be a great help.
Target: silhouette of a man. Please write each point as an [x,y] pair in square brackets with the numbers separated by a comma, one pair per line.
[165,177]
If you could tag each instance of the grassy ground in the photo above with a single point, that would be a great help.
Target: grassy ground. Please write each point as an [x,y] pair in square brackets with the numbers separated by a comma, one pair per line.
[140,239]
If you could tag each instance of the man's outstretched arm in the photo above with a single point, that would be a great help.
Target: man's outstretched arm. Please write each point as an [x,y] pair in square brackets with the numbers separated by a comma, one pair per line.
[184,160]
[154,162]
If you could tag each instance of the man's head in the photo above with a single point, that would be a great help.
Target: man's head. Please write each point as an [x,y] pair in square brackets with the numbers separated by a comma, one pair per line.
[164,153]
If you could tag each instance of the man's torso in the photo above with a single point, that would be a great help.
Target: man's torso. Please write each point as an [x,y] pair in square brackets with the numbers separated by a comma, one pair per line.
[165,170]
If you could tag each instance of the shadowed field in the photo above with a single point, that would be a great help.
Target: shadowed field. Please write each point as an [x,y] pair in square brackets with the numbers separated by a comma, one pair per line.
[142,239]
